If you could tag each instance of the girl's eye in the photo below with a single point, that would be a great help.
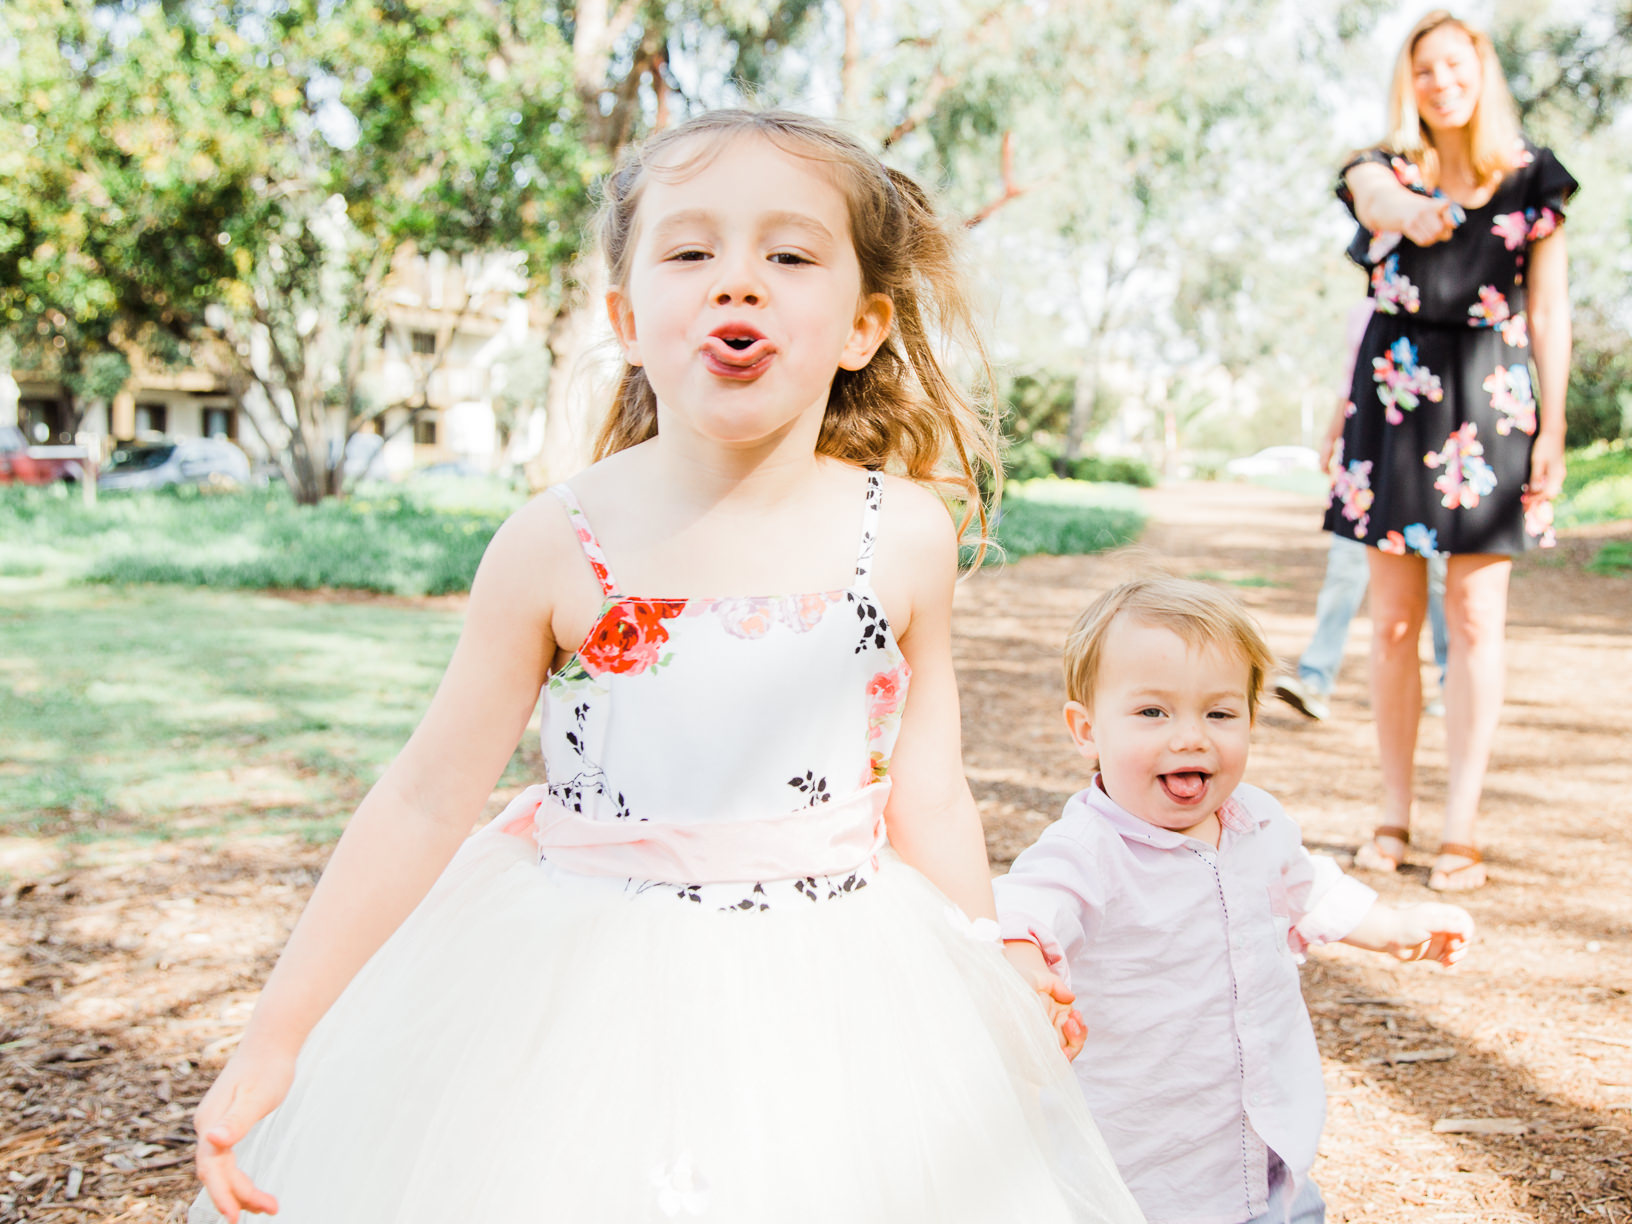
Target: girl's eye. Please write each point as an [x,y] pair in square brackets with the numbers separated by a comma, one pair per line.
[1223,715]
[691,255]
[788,258]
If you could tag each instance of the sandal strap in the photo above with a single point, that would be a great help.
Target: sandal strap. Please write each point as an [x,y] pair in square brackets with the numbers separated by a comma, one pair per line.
[1458,850]
[1395,831]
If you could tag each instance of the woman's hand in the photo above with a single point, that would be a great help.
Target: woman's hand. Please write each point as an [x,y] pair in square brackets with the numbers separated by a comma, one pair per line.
[1546,468]
[251,1086]
[1428,220]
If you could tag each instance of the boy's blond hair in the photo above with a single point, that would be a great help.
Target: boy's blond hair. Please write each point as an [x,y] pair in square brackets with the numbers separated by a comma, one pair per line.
[1199,614]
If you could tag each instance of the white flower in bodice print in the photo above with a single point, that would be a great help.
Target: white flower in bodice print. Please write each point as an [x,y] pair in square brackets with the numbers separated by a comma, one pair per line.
[681,1190]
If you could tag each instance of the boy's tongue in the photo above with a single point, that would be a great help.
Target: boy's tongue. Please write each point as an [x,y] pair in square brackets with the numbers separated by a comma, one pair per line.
[1185,787]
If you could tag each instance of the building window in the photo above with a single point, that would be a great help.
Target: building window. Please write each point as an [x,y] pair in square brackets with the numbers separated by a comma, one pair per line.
[220,422]
[424,431]
[150,419]
[424,342]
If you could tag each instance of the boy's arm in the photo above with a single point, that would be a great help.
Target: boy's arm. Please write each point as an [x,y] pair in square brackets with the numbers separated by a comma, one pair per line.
[1027,959]
[1428,930]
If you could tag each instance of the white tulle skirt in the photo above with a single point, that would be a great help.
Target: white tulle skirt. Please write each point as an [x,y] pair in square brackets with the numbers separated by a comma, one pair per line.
[524,1051]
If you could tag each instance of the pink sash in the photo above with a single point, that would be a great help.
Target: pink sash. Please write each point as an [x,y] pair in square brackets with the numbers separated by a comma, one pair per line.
[828,839]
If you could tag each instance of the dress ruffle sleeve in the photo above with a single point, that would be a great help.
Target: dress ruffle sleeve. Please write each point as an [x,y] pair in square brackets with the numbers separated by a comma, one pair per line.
[1548,194]
[1379,157]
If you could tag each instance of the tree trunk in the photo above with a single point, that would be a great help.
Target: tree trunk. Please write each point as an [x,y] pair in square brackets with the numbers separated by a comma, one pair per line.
[578,393]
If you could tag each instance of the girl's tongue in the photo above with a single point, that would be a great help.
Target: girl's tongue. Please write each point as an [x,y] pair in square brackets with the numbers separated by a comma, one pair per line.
[1184,787]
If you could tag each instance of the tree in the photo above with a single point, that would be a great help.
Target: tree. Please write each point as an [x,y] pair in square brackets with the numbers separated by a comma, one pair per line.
[248,178]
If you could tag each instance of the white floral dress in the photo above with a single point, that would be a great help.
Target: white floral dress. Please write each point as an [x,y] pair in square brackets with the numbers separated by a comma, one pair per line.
[684,978]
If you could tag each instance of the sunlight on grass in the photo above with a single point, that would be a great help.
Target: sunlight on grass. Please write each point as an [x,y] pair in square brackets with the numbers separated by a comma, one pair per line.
[154,712]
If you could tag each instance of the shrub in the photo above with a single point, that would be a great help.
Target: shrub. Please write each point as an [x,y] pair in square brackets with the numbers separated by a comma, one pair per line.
[1062,518]
[392,542]
[1114,470]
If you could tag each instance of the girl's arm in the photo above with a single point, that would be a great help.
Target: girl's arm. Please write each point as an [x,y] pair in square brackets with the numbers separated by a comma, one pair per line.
[401,837]
[931,815]
[1550,341]
[1384,206]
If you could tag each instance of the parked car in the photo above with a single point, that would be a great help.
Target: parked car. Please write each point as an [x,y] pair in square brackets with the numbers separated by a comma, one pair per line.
[153,465]
[1275,461]
[21,463]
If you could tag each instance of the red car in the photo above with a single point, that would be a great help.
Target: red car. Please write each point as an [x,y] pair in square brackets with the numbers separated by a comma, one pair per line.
[21,463]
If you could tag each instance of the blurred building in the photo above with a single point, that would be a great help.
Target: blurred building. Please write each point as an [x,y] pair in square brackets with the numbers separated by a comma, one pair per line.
[459,368]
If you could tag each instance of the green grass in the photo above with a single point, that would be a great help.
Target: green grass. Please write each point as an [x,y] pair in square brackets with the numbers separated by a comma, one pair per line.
[1250,581]
[1614,559]
[155,713]
[1065,517]
[414,541]
[1597,484]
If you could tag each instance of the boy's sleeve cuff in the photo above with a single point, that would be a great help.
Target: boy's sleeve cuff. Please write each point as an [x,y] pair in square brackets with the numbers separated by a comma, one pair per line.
[1341,907]
[1019,926]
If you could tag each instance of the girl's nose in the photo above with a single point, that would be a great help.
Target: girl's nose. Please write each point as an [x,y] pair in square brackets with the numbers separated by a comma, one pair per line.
[738,283]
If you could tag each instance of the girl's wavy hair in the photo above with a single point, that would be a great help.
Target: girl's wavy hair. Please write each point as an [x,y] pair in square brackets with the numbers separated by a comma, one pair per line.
[903,411]
[1494,127]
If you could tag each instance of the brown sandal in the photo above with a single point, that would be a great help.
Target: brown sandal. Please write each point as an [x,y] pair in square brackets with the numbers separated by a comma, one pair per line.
[1462,876]
[1372,857]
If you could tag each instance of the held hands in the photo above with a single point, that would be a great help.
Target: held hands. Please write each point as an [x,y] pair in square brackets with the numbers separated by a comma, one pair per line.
[1430,930]
[1056,996]
[251,1086]
[1429,220]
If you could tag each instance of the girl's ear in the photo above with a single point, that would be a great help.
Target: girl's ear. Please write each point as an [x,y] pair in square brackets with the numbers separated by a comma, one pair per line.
[623,324]
[867,332]
[1079,721]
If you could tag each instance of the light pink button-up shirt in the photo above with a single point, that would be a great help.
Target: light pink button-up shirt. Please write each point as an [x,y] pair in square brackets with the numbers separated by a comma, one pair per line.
[1200,1058]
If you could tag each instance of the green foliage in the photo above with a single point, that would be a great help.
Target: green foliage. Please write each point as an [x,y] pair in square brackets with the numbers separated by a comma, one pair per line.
[1063,518]
[1613,559]
[396,542]
[1114,470]
[1597,484]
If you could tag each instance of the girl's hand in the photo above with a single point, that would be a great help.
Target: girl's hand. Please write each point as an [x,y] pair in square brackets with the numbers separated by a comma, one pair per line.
[1428,221]
[1546,468]
[251,1086]
[1056,996]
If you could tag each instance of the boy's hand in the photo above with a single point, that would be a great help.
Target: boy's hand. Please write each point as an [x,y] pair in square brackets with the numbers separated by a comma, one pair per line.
[1056,996]
[1431,930]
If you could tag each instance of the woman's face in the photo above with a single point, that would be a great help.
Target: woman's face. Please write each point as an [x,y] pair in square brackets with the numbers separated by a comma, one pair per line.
[1447,78]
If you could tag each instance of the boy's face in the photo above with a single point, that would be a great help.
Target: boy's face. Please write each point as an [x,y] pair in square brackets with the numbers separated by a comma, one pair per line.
[1169,724]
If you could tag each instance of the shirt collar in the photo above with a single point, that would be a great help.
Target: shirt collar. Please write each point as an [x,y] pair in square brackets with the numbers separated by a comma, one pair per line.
[1234,816]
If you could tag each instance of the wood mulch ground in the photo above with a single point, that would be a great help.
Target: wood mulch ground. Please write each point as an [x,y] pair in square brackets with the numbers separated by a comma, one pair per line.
[1498,1092]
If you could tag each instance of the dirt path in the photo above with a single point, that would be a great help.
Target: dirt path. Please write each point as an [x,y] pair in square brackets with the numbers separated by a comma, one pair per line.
[123,985]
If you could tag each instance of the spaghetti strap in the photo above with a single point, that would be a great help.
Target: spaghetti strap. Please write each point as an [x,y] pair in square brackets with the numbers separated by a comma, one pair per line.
[869,528]
[586,538]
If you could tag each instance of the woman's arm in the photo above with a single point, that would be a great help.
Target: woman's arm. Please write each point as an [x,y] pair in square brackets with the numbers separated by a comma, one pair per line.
[1550,341]
[1384,206]
[931,817]
[398,842]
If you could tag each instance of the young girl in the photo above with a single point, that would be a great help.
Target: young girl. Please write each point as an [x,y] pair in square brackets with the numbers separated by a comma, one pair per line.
[683,978]
[1185,898]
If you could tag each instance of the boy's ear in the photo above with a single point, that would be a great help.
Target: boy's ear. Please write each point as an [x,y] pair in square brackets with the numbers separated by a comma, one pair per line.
[874,316]
[1079,721]
[623,325]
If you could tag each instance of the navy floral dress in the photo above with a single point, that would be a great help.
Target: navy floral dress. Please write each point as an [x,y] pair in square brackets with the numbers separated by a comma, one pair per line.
[1442,411]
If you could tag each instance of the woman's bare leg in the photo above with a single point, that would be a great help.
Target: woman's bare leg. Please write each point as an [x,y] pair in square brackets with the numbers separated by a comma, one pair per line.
[1399,601]
[1476,619]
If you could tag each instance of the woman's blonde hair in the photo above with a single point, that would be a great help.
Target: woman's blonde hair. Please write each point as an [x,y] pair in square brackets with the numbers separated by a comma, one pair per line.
[1493,131]
[1199,614]
[903,410]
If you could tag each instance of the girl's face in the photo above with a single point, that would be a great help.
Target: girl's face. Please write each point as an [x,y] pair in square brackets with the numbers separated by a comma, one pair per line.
[1169,724]
[744,296]
[1447,78]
